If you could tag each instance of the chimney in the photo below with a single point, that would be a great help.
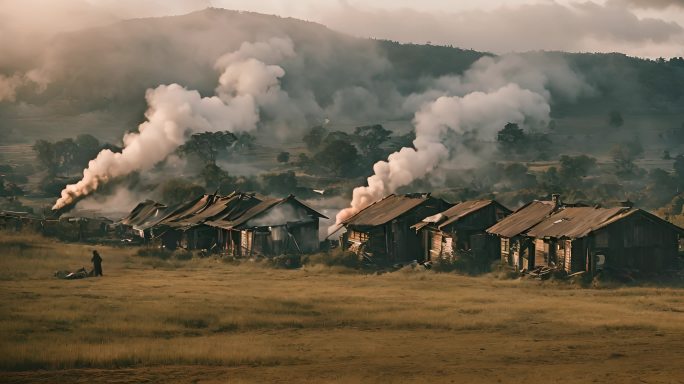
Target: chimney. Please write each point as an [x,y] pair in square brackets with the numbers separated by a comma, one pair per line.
[556,198]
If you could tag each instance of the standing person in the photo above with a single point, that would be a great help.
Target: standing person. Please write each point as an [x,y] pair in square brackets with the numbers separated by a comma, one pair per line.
[97,264]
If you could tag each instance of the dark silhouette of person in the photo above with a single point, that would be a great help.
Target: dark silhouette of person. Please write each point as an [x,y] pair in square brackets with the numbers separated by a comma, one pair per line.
[97,264]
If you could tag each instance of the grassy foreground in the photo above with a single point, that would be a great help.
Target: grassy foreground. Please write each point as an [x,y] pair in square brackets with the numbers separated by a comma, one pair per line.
[206,321]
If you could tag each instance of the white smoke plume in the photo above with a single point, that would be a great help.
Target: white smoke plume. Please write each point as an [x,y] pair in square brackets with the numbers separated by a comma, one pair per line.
[9,85]
[249,79]
[481,112]
[491,93]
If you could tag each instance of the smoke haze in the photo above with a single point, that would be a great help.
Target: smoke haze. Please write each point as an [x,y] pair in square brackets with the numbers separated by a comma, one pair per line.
[174,113]
[493,92]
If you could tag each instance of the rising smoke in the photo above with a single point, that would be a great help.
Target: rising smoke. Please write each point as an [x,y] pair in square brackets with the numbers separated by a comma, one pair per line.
[476,111]
[249,79]
[490,94]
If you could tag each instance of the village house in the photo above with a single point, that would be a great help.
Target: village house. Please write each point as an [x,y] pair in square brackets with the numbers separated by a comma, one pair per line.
[239,224]
[516,249]
[593,239]
[462,228]
[184,226]
[18,221]
[382,231]
[142,218]
[262,226]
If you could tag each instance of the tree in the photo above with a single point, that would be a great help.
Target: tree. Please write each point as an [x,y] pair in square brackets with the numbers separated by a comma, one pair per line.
[283,157]
[244,141]
[623,158]
[404,141]
[573,168]
[339,157]
[280,183]
[551,180]
[660,188]
[66,152]
[511,137]
[517,176]
[615,119]
[666,155]
[206,146]
[8,188]
[176,191]
[88,146]
[314,138]
[370,137]
[213,176]
[45,154]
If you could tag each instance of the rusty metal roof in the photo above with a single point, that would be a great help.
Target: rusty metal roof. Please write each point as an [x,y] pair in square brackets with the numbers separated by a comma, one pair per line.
[574,222]
[641,212]
[185,212]
[215,207]
[461,210]
[387,209]
[239,214]
[144,213]
[523,219]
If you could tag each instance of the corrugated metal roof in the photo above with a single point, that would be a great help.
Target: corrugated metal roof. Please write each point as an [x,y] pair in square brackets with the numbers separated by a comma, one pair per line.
[461,210]
[387,209]
[574,222]
[523,219]
[215,207]
[637,211]
[144,213]
[240,215]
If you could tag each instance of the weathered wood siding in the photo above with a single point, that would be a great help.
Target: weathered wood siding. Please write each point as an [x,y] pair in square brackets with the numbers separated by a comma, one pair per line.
[306,236]
[541,253]
[435,245]
[637,242]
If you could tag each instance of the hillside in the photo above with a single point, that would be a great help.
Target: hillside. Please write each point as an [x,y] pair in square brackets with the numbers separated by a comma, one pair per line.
[99,76]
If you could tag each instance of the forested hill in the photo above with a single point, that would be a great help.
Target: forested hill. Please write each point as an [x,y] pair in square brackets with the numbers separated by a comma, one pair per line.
[98,76]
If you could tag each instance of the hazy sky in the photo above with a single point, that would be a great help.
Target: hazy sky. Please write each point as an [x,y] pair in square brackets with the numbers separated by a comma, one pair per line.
[646,28]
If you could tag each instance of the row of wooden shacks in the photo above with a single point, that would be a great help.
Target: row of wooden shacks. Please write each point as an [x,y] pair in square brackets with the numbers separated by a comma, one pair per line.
[568,237]
[239,224]
[403,228]
[66,227]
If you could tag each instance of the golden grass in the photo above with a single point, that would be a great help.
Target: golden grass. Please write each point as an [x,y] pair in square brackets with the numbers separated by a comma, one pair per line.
[259,324]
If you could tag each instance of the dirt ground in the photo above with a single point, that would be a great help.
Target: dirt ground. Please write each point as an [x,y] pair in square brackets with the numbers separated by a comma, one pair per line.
[207,321]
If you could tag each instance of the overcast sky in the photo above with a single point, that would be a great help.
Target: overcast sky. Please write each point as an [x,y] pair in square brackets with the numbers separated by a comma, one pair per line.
[645,28]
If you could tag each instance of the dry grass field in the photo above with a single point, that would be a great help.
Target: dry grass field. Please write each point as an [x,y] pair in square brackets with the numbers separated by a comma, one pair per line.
[207,321]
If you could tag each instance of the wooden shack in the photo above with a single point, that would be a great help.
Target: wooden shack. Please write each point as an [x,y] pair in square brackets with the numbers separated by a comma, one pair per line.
[382,231]
[268,227]
[517,250]
[462,229]
[595,239]
[142,218]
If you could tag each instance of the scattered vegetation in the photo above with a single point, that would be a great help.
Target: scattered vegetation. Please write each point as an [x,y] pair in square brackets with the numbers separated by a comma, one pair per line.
[204,315]
[164,254]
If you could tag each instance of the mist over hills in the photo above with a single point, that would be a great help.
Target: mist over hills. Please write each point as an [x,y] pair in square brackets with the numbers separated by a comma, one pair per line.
[97,77]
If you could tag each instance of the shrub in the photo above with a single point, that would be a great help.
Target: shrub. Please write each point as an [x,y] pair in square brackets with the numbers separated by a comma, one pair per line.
[182,254]
[159,253]
[465,262]
[285,261]
[335,257]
